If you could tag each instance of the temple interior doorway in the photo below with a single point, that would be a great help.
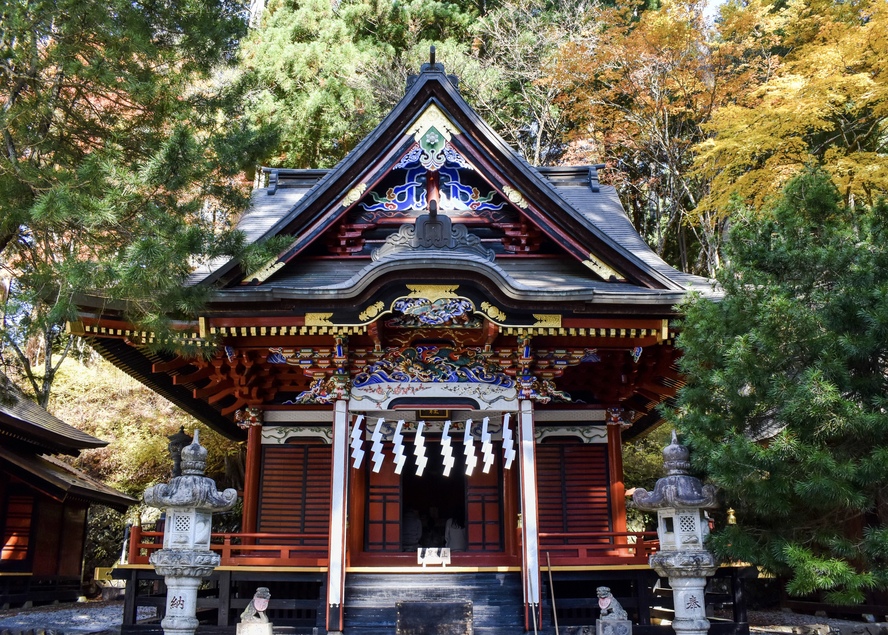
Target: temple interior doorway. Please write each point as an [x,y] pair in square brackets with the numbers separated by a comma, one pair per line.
[433,506]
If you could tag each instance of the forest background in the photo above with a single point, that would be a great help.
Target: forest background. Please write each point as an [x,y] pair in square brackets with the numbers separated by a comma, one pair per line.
[132,131]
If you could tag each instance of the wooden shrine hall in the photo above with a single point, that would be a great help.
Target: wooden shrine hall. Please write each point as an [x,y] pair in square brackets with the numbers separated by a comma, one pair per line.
[433,381]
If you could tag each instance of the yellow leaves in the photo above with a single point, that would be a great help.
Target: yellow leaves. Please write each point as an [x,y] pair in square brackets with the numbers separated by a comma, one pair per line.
[825,103]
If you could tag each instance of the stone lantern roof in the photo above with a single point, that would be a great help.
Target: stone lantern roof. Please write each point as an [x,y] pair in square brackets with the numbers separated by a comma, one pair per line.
[678,489]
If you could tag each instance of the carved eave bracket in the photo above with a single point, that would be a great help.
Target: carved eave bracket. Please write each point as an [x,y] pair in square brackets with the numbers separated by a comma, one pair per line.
[433,231]
[328,368]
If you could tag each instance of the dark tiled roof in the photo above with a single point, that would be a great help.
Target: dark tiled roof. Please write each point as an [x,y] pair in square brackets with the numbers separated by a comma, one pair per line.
[603,209]
[26,421]
[60,480]
[266,209]
[526,279]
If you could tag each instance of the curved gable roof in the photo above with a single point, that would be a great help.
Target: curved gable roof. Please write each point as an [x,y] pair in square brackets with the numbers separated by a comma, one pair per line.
[587,220]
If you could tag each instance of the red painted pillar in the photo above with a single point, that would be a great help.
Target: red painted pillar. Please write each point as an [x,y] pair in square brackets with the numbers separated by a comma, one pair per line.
[615,476]
[252,470]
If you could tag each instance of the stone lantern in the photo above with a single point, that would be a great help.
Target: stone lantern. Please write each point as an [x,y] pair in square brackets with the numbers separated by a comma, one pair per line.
[189,502]
[680,500]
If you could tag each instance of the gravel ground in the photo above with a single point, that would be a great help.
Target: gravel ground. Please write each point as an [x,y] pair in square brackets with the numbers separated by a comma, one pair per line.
[106,617]
[75,618]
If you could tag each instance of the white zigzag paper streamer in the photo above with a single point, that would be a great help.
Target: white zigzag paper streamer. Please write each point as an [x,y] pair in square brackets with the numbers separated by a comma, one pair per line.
[398,442]
[508,442]
[419,450]
[357,443]
[446,449]
[486,445]
[378,456]
[469,443]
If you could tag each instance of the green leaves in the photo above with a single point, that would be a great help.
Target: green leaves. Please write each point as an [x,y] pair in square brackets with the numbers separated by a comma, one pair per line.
[785,404]
[116,170]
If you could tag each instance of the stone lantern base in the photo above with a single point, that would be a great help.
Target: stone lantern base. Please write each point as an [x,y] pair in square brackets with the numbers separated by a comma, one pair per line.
[613,627]
[255,628]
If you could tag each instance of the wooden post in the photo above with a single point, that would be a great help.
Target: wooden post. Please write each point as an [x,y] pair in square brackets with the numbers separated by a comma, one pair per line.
[615,475]
[222,615]
[530,542]
[338,503]
[130,597]
[511,510]
[738,597]
[252,469]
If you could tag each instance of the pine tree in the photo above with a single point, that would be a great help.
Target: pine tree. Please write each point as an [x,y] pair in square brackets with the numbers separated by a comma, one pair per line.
[786,404]
[118,169]
[325,73]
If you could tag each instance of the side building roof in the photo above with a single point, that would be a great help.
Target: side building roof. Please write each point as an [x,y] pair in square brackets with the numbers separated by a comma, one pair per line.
[29,436]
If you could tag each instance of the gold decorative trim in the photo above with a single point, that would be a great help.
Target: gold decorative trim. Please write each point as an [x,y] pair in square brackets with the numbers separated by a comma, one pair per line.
[432,117]
[515,196]
[279,331]
[265,272]
[318,319]
[547,321]
[432,292]
[583,332]
[371,311]
[137,337]
[603,270]
[354,194]
[494,313]
[75,327]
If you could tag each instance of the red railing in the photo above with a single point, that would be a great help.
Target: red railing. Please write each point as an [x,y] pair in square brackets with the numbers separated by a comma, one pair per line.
[599,547]
[310,550]
[256,549]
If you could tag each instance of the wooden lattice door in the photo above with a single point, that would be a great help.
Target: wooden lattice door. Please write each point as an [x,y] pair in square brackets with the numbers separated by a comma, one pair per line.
[484,518]
[383,519]
[573,490]
[295,496]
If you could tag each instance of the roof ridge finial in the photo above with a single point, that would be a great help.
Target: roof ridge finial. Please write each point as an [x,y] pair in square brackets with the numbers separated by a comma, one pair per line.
[432,66]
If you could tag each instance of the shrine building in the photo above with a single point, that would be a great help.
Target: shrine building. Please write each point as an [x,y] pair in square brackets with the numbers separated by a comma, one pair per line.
[433,381]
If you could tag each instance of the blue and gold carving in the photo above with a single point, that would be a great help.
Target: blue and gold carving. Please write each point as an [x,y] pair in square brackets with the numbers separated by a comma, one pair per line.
[409,195]
[435,365]
[540,390]
[275,356]
[417,312]
[324,390]
[456,196]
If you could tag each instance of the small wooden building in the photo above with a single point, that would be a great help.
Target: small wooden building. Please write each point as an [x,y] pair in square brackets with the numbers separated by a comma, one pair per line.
[448,354]
[43,502]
